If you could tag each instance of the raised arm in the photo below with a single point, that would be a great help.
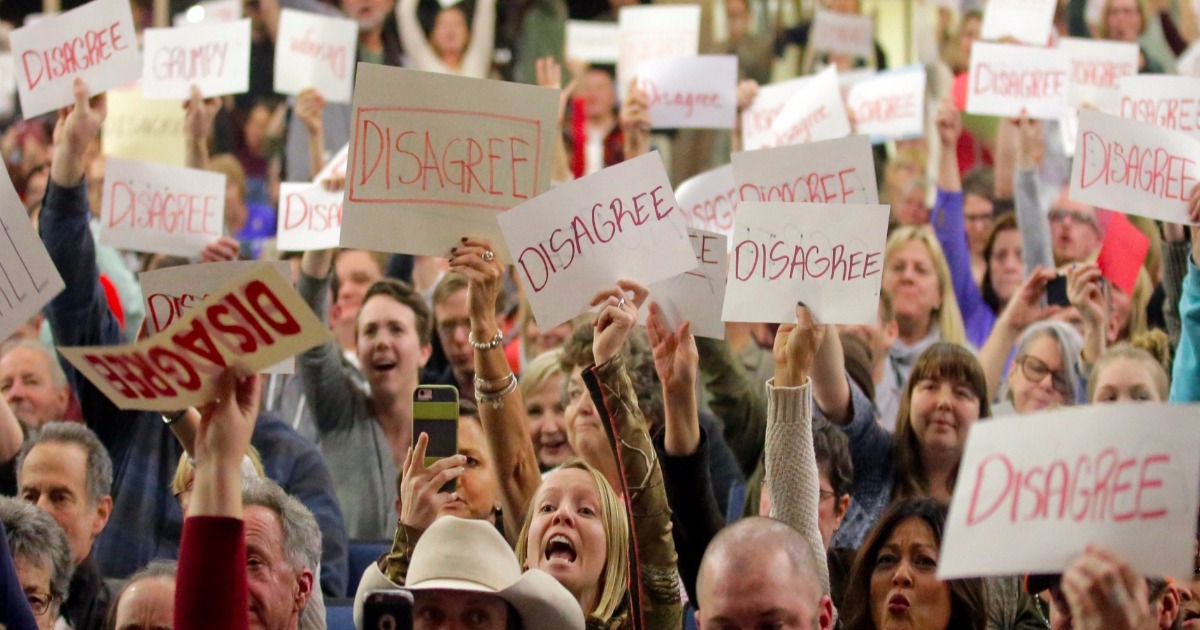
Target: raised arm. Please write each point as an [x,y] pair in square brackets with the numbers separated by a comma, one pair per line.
[549,74]
[412,36]
[1031,221]
[635,121]
[1024,309]
[198,122]
[310,105]
[477,60]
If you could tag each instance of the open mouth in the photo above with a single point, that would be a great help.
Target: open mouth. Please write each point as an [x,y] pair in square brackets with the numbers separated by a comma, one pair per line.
[560,550]
[383,366]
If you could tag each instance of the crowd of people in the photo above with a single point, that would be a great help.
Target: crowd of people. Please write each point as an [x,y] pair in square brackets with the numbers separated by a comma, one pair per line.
[609,475]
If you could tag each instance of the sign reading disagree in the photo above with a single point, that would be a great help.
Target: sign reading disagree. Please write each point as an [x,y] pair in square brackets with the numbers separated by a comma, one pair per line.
[161,209]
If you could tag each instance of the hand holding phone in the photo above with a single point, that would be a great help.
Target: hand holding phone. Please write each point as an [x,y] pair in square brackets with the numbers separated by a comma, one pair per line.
[1056,292]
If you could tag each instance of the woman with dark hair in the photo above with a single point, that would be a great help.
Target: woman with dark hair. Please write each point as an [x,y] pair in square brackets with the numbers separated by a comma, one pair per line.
[894,580]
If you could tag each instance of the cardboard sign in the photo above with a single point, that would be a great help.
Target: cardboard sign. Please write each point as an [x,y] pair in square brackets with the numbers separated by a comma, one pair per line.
[335,165]
[318,52]
[828,256]
[434,158]
[211,12]
[1027,21]
[1096,67]
[581,237]
[655,32]
[816,113]
[1123,252]
[1006,80]
[310,217]
[161,209]
[213,57]
[1121,476]
[709,200]
[832,172]
[1140,168]
[843,34]
[255,321]
[593,42]
[890,105]
[28,278]
[170,293]
[96,42]
[696,295]
[691,92]
[758,119]
[141,129]
[1166,101]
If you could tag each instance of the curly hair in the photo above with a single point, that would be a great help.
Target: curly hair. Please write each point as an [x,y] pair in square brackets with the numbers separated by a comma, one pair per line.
[639,364]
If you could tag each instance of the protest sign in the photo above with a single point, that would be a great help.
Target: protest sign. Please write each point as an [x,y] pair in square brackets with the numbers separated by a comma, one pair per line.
[709,200]
[140,129]
[1119,476]
[310,217]
[253,322]
[1007,79]
[890,105]
[335,165]
[691,92]
[833,171]
[695,295]
[826,256]
[95,42]
[28,278]
[1095,68]
[816,113]
[434,158]
[1027,21]
[210,12]
[1122,253]
[1166,101]
[170,293]
[212,57]
[319,53]
[161,209]
[581,237]
[593,42]
[843,34]
[654,32]
[758,119]
[1138,167]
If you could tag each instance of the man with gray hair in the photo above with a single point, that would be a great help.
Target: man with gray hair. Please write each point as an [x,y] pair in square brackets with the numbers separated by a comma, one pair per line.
[283,547]
[759,572]
[40,557]
[33,383]
[65,470]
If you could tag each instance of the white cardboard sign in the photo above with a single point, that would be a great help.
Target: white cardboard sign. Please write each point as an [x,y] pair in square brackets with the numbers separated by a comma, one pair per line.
[816,113]
[890,105]
[691,92]
[96,42]
[1167,101]
[829,172]
[1096,67]
[579,238]
[827,256]
[317,52]
[696,295]
[593,42]
[1123,477]
[758,119]
[1138,167]
[213,57]
[335,165]
[1006,79]
[141,129]
[843,34]
[28,278]
[1027,21]
[161,209]
[655,32]
[310,217]
[709,200]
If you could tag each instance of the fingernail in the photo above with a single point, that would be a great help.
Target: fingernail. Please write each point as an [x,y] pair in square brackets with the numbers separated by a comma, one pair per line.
[453,249]
[799,303]
[464,239]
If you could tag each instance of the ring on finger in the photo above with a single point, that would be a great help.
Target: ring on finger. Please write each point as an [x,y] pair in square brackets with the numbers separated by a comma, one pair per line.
[488,255]
[621,303]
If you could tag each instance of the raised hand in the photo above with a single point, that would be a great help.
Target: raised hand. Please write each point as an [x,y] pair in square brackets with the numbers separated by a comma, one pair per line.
[618,316]
[200,115]
[1086,293]
[476,259]
[309,106]
[1030,143]
[949,124]
[421,497]
[1025,308]
[676,359]
[635,121]
[549,75]
[77,126]
[795,348]
[1105,593]
[221,250]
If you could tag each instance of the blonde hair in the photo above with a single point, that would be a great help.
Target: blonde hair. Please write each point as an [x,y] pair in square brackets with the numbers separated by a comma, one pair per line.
[614,580]
[541,369]
[185,470]
[1152,349]
[229,166]
[948,318]
[1143,11]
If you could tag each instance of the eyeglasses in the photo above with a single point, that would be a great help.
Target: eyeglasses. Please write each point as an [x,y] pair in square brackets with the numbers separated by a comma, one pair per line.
[1058,215]
[39,602]
[451,326]
[1036,371]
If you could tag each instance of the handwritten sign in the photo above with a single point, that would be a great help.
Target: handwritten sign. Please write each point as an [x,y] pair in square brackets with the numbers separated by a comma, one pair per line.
[593,42]
[1006,79]
[828,256]
[1096,67]
[1166,101]
[696,295]
[890,105]
[830,172]
[141,129]
[691,92]
[816,113]
[310,217]
[255,321]
[709,200]
[581,237]
[28,278]
[655,32]
[96,42]
[843,34]
[319,52]
[162,209]
[1027,21]
[434,158]
[1123,477]
[211,12]
[213,57]
[1138,167]
[758,119]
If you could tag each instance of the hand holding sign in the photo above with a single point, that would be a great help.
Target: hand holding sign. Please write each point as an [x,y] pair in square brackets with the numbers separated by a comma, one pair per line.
[309,107]
[201,113]
[476,259]
[76,128]
[618,316]
[226,425]
[796,347]
[1105,593]
[635,121]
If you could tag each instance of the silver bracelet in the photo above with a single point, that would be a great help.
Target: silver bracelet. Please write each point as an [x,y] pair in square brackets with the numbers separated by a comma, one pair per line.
[486,385]
[494,343]
[496,398]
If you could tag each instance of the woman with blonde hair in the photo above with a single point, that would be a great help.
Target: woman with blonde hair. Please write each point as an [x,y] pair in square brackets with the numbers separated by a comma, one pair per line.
[1133,371]
[542,390]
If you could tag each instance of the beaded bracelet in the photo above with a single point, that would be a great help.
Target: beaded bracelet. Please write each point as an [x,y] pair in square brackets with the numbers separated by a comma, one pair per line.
[496,398]
[495,342]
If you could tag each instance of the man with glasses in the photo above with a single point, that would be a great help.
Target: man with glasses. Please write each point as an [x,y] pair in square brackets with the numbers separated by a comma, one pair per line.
[42,561]
[452,321]
[1075,231]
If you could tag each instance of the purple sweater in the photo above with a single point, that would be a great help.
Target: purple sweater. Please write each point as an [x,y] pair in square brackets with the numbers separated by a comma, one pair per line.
[947,219]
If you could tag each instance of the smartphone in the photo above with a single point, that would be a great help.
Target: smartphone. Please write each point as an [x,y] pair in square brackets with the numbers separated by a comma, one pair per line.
[435,413]
[388,610]
[1056,292]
